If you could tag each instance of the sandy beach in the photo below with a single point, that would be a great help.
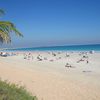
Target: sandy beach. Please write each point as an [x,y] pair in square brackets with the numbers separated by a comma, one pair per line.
[55,75]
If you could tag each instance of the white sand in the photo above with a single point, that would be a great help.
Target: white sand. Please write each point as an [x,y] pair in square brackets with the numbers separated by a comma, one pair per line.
[51,80]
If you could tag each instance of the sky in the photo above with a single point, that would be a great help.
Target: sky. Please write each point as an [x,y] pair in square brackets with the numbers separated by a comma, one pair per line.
[53,22]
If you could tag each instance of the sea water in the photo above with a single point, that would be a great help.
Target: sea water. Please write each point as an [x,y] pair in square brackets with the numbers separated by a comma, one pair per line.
[95,47]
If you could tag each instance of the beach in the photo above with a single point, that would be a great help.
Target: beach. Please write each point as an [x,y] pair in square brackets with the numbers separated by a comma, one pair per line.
[57,75]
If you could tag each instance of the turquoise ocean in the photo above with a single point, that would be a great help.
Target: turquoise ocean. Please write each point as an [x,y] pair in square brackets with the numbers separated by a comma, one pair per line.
[95,47]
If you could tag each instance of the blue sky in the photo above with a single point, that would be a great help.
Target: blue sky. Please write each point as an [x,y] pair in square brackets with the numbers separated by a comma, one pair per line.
[53,22]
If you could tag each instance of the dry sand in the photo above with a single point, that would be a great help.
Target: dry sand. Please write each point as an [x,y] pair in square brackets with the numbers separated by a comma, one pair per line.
[51,80]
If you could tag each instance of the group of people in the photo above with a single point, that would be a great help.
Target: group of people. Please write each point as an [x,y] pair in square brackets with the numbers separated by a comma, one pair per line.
[53,56]
[3,54]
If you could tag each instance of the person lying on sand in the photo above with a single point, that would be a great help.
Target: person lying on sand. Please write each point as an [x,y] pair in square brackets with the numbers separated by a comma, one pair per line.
[68,65]
[80,60]
[67,55]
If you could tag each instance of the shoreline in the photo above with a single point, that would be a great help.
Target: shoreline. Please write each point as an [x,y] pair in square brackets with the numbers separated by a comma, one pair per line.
[69,51]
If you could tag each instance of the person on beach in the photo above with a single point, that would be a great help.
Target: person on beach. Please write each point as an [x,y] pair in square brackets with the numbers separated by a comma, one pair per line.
[87,61]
